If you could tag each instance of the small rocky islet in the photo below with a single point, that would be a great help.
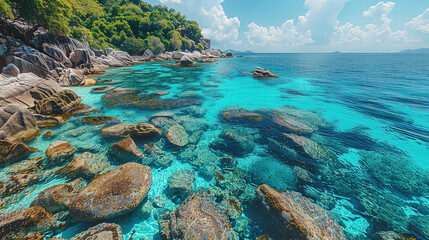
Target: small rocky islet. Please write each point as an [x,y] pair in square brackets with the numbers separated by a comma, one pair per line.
[289,196]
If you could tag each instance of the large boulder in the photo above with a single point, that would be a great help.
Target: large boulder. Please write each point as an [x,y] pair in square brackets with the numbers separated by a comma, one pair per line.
[113,193]
[59,151]
[148,55]
[29,166]
[55,53]
[262,73]
[103,231]
[177,135]
[237,141]
[24,66]
[118,130]
[126,150]
[24,89]
[181,184]
[17,123]
[79,57]
[11,152]
[197,218]
[142,131]
[186,62]
[296,217]
[58,198]
[69,77]
[16,224]
[11,69]
[57,104]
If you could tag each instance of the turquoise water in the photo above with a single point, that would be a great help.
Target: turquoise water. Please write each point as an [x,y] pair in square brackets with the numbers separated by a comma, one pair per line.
[376,103]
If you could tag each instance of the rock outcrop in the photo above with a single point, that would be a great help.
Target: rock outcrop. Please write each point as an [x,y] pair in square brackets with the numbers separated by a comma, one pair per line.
[87,166]
[57,104]
[59,151]
[197,218]
[17,123]
[177,135]
[297,217]
[126,150]
[58,198]
[113,193]
[186,62]
[262,73]
[11,152]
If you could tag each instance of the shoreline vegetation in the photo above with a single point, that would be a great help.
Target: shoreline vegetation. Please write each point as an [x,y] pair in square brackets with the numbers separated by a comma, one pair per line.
[57,44]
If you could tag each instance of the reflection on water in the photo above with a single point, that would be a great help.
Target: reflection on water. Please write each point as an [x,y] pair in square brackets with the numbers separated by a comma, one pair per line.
[349,132]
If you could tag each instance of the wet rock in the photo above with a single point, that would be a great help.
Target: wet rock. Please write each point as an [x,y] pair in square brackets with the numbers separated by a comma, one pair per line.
[143,131]
[48,134]
[27,166]
[177,135]
[192,125]
[18,182]
[21,222]
[17,123]
[161,93]
[59,151]
[202,158]
[144,210]
[390,235]
[160,201]
[11,69]
[229,54]
[103,89]
[262,73]
[58,103]
[181,184]
[98,120]
[11,152]
[163,120]
[236,141]
[58,198]
[113,193]
[156,156]
[118,130]
[87,165]
[126,150]
[273,173]
[292,213]
[308,147]
[186,62]
[197,218]
[104,231]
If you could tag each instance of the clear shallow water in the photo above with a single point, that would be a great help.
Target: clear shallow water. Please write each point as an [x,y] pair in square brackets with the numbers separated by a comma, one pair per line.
[376,103]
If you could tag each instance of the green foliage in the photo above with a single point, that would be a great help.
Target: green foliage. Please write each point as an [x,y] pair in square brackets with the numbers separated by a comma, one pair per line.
[134,46]
[5,9]
[121,24]
[200,46]
[155,45]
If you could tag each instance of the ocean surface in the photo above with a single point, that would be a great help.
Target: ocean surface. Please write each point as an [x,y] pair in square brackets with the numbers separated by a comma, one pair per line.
[377,107]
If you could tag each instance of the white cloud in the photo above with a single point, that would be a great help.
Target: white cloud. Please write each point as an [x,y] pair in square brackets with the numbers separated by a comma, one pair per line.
[316,26]
[213,21]
[285,35]
[379,31]
[420,23]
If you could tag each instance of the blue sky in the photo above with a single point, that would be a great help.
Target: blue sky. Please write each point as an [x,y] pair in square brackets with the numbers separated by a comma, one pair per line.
[310,25]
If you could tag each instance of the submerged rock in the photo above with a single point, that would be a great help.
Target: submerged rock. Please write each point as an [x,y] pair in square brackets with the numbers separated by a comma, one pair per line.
[126,150]
[181,184]
[59,151]
[262,73]
[58,198]
[113,193]
[236,141]
[19,223]
[197,218]
[296,217]
[390,235]
[11,152]
[98,120]
[273,173]
[17,123]
[156,156]
[142,131]
[118,130]
[103,231]
[308,147]
[87,165]
[27,166]
[177,135]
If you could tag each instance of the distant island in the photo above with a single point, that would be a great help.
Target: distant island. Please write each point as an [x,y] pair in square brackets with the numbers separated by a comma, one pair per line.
[416,51]
[238,52]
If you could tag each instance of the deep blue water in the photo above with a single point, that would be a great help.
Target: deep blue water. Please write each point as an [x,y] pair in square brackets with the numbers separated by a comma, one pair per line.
[377,105]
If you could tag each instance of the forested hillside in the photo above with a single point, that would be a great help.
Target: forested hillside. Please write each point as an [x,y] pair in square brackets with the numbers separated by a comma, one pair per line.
[128,25]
